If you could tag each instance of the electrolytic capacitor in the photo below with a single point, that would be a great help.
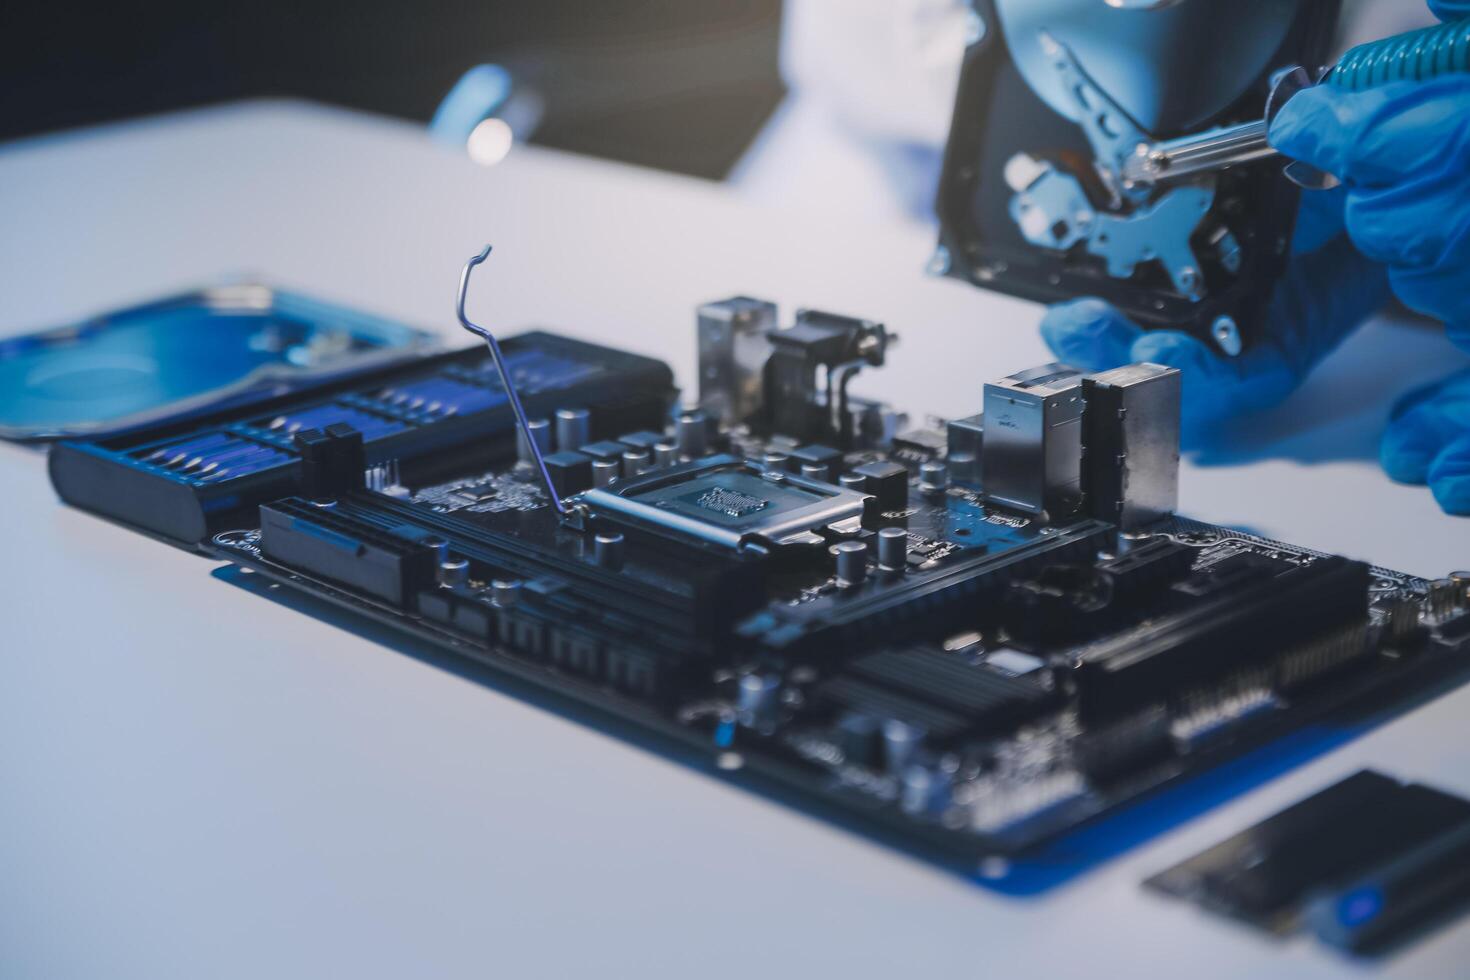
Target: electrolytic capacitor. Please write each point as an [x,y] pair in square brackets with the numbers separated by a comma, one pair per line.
[900,741]
[858,737]
[604,471]
[454,573]
[933,477]
[608,550]
[852,562]
[665,454]
[893,548]
[964,467]
[815,471]
[505,592]
[692,433]
[540,430]
[636,462]
[756,700]
[776,461]
[573,428]
[853,481]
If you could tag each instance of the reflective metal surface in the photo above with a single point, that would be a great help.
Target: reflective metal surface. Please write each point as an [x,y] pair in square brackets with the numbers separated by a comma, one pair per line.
[226,345]
[1171,68]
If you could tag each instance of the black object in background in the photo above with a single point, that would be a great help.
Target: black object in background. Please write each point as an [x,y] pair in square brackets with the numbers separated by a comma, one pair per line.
[678,84]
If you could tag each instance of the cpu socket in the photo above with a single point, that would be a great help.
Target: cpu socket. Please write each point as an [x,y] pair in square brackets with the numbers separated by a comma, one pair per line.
[729,503]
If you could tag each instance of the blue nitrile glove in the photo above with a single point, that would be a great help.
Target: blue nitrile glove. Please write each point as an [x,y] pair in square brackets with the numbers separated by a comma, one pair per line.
[1428,441]
[1324,296]
[1403,152]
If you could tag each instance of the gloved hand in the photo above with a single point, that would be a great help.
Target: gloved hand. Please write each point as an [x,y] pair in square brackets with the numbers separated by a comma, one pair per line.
[1428,441]
[1403,153]
[1328,291]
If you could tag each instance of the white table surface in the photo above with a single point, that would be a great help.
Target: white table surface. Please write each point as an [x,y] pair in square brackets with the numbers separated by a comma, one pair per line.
[198,782]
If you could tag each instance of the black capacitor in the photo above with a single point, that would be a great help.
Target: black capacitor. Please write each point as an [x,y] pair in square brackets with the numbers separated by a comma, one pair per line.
[643,441]
[606,449]
[860,737]
[889,482]
[829,459]
[570,472]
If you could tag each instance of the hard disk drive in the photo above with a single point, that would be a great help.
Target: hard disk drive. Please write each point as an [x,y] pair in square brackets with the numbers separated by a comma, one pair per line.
[1057,96]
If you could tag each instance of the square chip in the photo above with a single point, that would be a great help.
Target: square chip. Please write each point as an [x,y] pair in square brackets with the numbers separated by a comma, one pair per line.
[729,502]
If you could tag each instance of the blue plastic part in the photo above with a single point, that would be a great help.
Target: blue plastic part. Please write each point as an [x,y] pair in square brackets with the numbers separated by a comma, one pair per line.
[478,94]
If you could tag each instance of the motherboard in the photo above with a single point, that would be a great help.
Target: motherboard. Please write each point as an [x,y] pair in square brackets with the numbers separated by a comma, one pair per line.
[965,636]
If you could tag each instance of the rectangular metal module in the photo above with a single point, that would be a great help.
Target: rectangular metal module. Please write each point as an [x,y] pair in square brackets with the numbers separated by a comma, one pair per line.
[732,354]
[1031,457]
[1131,432]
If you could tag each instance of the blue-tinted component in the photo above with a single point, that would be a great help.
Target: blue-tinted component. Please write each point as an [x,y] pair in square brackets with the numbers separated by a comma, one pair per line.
[479,94]
[182,356]
[216,456]
[330,413]
[1359,906]
[533,371]
[213,457]
[441,396]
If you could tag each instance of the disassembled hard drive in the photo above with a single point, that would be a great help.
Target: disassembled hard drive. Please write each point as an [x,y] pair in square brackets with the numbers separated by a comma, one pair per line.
[1060,177]
[965,637]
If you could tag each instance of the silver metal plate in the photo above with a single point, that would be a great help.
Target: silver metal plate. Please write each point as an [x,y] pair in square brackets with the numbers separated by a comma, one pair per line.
[1172,68]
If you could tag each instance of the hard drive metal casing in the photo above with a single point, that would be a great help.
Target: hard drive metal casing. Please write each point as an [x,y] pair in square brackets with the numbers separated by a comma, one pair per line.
[998,116]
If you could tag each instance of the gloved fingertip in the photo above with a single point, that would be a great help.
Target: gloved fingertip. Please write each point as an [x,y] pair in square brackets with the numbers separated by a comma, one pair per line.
[1449,477]
[1405,465]
[1320,219]
[1089,334]
[1452,495]
[1408,448]
[1297,130]
[1448,9]
[1458,333]
[1175,349]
